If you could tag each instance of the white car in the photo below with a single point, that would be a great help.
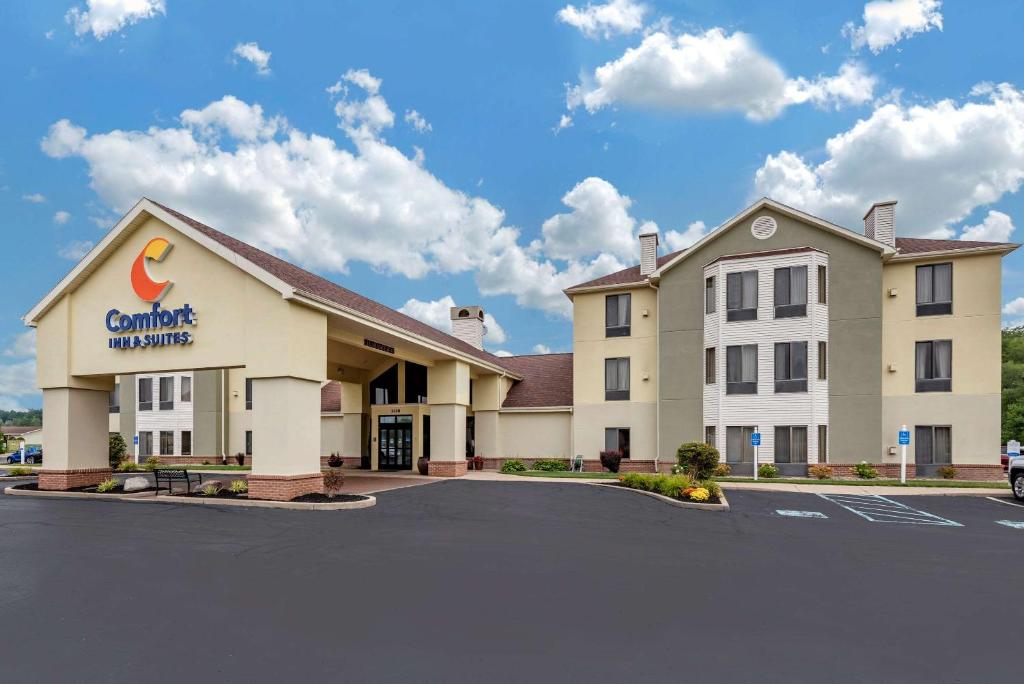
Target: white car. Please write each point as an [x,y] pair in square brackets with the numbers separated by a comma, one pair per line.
[1015,471]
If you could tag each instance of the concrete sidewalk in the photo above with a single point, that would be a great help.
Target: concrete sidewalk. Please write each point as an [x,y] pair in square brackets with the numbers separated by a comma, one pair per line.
[879,490]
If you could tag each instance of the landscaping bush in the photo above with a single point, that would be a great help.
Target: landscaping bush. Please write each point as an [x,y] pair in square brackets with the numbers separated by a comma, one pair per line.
[210,490]
[723,470]
[674,486]
[238,487]
[611,460]
[333,481]
[697,459]
[108,485]
[550,465]
[513,465]
[335,461]
[714,490]
[152,463]
[821,472]
[865,471]
[19,471]
[699,494]
[947,472]
[127,466]
[117,449]
[767,470]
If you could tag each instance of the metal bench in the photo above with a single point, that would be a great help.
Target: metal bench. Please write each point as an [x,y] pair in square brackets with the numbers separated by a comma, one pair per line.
[171,475]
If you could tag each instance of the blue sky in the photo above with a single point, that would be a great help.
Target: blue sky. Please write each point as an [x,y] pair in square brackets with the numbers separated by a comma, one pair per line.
[413,152]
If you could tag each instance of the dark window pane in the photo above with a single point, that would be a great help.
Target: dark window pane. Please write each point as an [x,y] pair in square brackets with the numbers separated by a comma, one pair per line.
[923,444]
[186,443]
[709,295]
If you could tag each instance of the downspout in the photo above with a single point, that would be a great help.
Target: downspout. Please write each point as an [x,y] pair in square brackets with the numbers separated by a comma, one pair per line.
[657,372]
[223,414]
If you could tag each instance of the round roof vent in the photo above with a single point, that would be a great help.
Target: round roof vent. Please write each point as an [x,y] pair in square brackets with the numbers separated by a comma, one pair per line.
[763,227]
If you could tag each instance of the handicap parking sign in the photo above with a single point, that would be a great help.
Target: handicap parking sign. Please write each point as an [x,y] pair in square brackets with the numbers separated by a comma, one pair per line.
[904,437]
[136,440]
[755,439]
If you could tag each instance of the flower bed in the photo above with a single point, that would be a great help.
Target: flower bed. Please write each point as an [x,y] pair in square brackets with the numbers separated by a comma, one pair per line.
[679,487]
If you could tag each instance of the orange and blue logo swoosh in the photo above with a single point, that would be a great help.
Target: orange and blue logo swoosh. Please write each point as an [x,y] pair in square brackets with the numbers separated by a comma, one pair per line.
[145,287]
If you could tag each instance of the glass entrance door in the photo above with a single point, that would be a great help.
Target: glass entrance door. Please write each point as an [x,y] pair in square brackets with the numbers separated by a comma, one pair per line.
[394,443]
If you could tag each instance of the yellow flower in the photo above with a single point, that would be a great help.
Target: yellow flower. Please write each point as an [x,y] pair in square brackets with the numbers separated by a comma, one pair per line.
[700,494]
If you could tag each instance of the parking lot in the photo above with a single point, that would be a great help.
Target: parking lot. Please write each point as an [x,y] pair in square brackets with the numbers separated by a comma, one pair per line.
[464,581]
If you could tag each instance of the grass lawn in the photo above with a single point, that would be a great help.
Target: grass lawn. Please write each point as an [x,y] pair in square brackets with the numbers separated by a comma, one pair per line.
[999,484]
[568,474]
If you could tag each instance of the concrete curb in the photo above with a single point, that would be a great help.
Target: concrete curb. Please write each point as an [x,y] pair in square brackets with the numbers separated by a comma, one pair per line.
[147,497]
[718,507]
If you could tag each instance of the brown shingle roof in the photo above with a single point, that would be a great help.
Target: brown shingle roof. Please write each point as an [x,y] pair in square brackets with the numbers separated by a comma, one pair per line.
[330,397]
[313,284]
[627,276]
[14,430]
[547,381]
[922,245]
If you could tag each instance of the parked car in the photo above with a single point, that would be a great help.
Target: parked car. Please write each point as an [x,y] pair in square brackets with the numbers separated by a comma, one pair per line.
[1016,477]
[33,454]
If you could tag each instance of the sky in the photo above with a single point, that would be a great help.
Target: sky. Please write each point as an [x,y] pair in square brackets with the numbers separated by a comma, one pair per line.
[491,152]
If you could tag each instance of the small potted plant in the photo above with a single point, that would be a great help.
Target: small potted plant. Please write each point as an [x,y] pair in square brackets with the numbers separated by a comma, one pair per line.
[240,458]
[423,465]
[478,463]
[335,460]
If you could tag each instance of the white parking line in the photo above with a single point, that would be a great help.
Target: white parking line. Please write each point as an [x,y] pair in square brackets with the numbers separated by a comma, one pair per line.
[875,508]
[1015,524]
[801,514]
[1008,502]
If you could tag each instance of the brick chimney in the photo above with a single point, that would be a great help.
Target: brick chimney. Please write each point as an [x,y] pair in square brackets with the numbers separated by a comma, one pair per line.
[468,325]
[880,222]
[648,253]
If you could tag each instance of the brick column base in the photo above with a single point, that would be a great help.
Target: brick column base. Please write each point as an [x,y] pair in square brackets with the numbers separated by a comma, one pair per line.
[446,468]
[284,487]
[61,480]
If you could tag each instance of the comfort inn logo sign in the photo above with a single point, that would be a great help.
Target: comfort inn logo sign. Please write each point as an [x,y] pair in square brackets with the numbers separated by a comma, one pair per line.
[158,319]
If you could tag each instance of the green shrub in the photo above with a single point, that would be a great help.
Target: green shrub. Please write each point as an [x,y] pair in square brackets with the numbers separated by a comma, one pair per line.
[865,471]
[723,470]
[152,463]
[666,485]
[238,487]
[947,472]
[513,465]
[611,460]
[550,465]
[127,466]
[117,449]
[697,459]
[821,472]
[19,471]
[108,485]
[210,490]
[767,470]
[714,489]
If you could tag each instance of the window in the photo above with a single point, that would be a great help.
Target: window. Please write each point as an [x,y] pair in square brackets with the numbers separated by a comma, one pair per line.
[114,400]
[166,443]
[709,435]
[741,296]
[790,367]
[616,379]
[933,366]
[248,394]
[186,388]
[145,445]
[710,366]
[823,444]
[186,442]
[145,394]
[384,387]
[935,289]
[616,315]
[416,384]
[933,444]
[790,444]
[737,444]
[709,295]
[166,394]
[822,360]
[248,442]
[617,439]
[791,292]
[822,285]
[741,369]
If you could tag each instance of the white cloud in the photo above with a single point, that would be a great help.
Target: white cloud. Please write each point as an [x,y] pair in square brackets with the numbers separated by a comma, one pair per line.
[302,196]
[712,72]
[18,378]
[503,352]
[437,313]
[676,240]
[34,198]
[886,22]
[605,20]
[599,222]
[997,227]
[48,35]
[61,217]
[75,249]
[939,160]
[252,53]
[23,346]
[541,349]
[1014,307]
[416,120]
[104,17]
[565,121]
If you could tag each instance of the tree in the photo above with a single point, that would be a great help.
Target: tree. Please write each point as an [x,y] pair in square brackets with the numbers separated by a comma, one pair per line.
[117,448]
[1013,384]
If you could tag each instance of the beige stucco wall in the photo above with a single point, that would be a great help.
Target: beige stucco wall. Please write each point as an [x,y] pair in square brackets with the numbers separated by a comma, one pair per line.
[286,426]
[536,434]
[590,421]
[972,408]
[332,434]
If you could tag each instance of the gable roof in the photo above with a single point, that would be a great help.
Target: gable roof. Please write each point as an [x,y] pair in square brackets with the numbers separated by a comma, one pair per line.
[627,276]
[917,247]
[547,381]
[290,280]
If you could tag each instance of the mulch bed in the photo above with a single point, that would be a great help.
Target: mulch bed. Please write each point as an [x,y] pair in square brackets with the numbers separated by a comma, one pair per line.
[323,498]
[223,494]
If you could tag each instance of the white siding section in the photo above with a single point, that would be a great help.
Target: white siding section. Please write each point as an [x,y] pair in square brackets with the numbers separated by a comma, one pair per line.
[766,409]
[177,419]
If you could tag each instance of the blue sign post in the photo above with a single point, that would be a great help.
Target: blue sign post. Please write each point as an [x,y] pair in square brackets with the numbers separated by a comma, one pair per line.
[755,441]
[904,440]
